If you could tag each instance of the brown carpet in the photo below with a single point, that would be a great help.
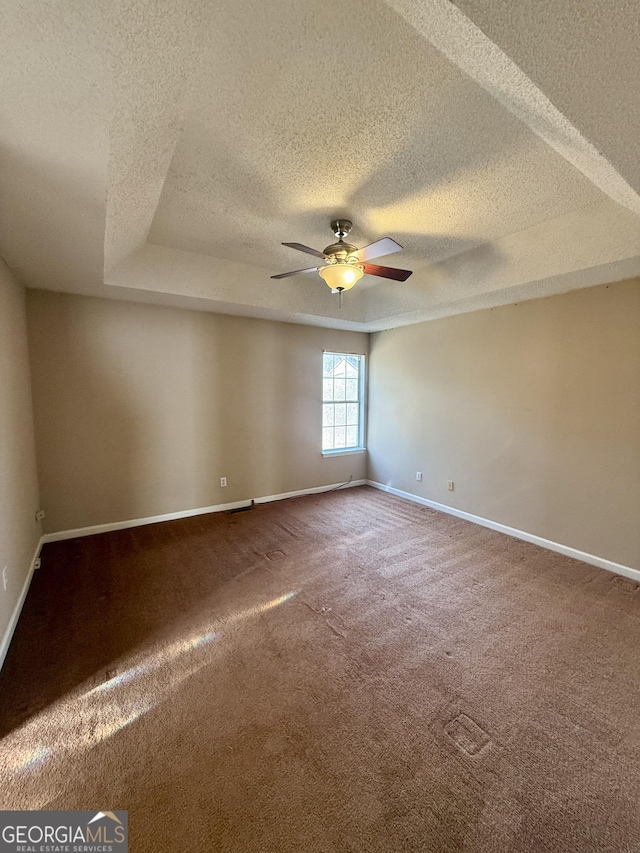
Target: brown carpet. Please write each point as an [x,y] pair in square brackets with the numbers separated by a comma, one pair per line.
[342,672]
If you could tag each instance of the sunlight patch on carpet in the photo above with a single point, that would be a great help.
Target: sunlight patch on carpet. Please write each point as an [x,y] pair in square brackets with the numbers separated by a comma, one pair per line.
[81,721]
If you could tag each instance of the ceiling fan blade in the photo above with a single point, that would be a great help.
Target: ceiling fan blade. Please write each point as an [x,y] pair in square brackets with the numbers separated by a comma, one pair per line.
[295,272]
[387,272]
[386,246]
[302,248]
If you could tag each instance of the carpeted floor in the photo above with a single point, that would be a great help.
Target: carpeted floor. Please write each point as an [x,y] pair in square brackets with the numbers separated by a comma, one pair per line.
[342,672]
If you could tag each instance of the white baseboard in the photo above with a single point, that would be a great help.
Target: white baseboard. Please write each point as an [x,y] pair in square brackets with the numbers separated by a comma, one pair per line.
[186,513]
[139,522]
[609,565]
[315,491]
[11,627]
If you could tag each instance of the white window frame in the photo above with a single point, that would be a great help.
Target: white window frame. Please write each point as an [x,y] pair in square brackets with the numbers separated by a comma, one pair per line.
[362,385]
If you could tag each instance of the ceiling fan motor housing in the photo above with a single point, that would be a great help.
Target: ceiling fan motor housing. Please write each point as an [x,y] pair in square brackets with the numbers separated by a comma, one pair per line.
[341,251]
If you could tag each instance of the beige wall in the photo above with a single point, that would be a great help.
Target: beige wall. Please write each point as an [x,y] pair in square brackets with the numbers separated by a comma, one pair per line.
[19,532]
[139,410]
[533,410]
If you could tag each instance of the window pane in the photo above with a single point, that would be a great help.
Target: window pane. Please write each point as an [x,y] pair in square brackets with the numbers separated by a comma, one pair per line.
[339,369]
[328,363]
[341,414]
[352,414]
[339,389]
[327,389]
[340,437]
[352,436]
[327,415]
[327,438]
[351,370]
[352,389]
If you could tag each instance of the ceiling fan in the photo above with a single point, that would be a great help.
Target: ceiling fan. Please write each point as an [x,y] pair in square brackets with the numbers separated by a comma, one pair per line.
[344,264]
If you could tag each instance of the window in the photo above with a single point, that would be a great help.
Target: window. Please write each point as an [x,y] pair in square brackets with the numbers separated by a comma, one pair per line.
[342,402]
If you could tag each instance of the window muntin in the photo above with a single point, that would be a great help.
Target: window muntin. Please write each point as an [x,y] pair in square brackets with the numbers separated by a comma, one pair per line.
[342,402]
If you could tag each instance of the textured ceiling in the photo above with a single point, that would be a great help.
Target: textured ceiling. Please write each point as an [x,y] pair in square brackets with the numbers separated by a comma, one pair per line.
[162,151]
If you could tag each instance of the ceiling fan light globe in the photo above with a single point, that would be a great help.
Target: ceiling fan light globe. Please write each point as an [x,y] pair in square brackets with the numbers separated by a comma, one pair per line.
[341,276]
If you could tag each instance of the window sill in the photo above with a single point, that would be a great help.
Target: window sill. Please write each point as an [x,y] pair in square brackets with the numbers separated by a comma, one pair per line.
[348,451]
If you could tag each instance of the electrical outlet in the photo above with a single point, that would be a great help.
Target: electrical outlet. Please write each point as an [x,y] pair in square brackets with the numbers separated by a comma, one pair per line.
[419,476]
[5,578]
[450,485]
[223,481]
[40,515]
